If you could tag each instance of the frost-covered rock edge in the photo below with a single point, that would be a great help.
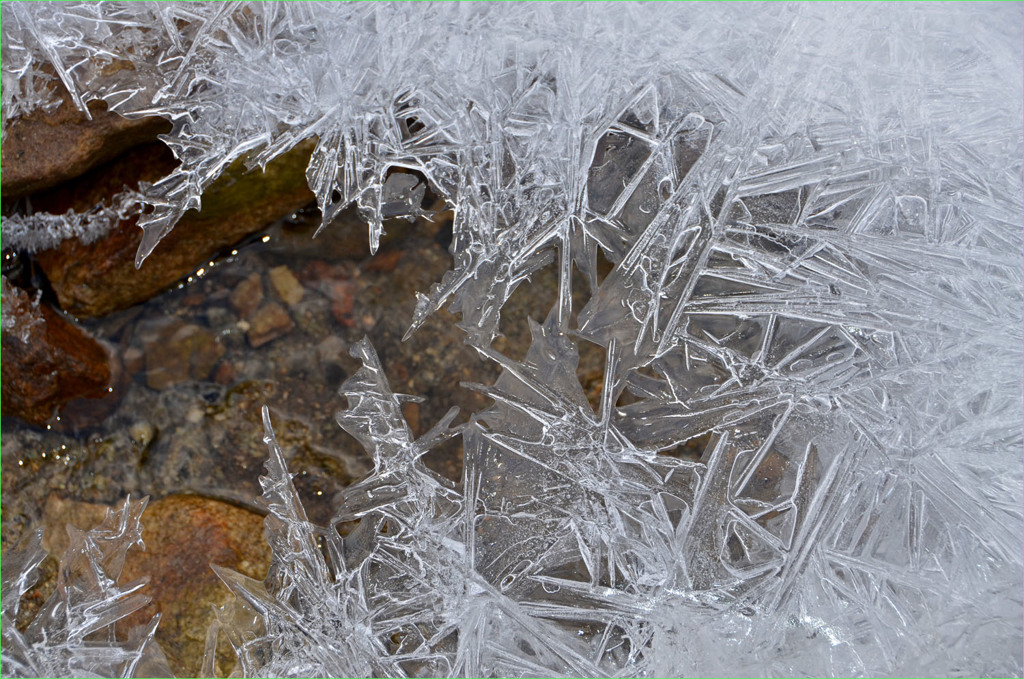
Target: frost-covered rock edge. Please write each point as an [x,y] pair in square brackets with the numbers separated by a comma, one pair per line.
[874,336]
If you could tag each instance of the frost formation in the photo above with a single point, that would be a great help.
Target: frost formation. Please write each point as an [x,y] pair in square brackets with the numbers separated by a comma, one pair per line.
[73,634]
[812,216]
[42,231]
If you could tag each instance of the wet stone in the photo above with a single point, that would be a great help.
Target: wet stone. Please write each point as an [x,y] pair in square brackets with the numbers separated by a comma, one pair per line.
[330,356]
[233,336]
[286,285]
[179,352]
[142,433]
[225,373]
[384,262]
[313,315]
[301,362]
[268,323]
[342,295]
[184,535]
[134,360]
[45,148]
[96,278]
[58,514]
[47,360]
[247,295]
[218,316]
[317,271]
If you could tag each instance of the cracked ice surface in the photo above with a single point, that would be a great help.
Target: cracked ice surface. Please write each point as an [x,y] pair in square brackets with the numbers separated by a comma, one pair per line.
[812,216]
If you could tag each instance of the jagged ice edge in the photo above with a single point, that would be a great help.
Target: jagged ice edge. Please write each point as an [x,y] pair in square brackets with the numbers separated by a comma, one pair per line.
[61,639]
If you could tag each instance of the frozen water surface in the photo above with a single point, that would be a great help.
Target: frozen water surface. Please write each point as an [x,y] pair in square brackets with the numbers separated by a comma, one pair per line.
[800,227]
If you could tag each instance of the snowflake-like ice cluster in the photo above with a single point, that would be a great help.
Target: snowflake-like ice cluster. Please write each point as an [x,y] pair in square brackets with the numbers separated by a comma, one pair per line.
[73,634]
[812,216]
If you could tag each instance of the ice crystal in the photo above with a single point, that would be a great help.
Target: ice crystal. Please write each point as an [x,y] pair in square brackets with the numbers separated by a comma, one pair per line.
[43,231]
[812,219]
[73,635]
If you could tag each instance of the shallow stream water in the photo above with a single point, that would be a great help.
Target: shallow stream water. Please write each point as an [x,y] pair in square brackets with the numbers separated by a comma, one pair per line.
[197,364]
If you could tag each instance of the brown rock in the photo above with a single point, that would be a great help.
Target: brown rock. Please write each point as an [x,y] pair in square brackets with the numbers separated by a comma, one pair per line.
[95,279]
[331,350]
[343,299]
[247,295]
[317,270]
[313,315]
[286,285]
[44,149]
[47,360]
[147,162]
[58,514]
[180,352]
[225,373]
[269,323]
[183,535]
[80,413]
[384,262]
[134,361]
[411,412]
[331,355]
[345,238]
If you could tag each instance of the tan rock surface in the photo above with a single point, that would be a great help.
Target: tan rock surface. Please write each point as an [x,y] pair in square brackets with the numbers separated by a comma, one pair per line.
[268,323]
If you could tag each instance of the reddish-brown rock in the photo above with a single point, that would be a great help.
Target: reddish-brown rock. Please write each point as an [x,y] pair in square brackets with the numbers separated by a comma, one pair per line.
[269,323]
[47,360]
[342,295]
[183,535]
[384,262]
[95,279]
[317,271]
[44,149]
[225,373]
